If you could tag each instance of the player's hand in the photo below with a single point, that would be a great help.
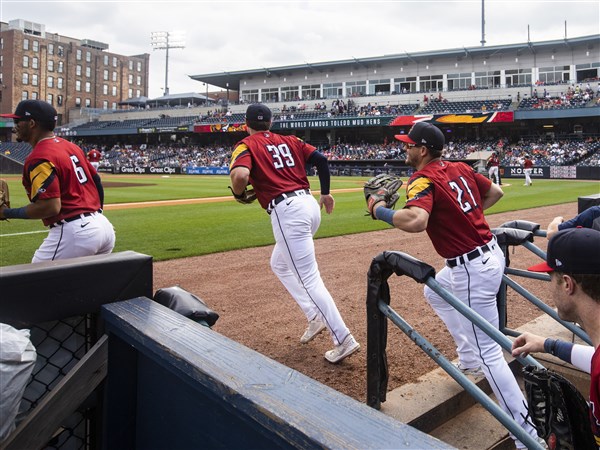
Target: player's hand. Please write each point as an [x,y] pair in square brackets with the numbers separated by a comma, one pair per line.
[328,201]
[527,343]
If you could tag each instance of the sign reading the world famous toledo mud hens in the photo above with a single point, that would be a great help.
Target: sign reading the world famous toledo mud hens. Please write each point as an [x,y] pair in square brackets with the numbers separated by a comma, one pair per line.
[332,122]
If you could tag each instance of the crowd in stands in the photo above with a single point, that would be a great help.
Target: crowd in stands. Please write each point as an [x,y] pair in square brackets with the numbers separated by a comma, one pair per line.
[574,97]
[544,153]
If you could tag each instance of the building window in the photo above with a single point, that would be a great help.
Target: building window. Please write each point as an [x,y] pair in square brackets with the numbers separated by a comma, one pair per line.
[105,74]
[61,51]
[487,80]
[78,55]
[289,93]
[130,65]
[78,85]
[61,66]
[105,89]
[431,83]
[380,87]
[88,102]
[356,88]
[554,75]
[50,65]
[78,101]
[25,61]
[105,60]
[250,96]
[88,86]
[34,95]
[25,44]
[138,93]
[25,78]
[36,46]
[88,72]
[139,80]
[114,105]
[105,104]
[88,56]
[139,66]
[518,77]
[332,90]
[130,93]
[130,79]
[35,63]
[114,61]
[270,95]
[51,49]
[24,95]
[59,83]
[50,81]
[311,92]
[459,81]
[59,100]
[114,91]
[50,99]
[34,80]
[114,76]
[78,70]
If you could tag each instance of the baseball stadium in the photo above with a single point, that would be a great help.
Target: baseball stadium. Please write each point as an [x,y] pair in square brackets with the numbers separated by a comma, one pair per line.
[183,337]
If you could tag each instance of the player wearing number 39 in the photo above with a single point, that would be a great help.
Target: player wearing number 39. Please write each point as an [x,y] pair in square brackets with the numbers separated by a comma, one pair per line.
[447,200]
[275,166]
[64,189]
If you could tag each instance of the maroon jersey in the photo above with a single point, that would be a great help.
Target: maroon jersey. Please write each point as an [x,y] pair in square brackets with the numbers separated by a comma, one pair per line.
[595,396]
[57,168]
[94,155]
[277,163]
[527,164]
[494,160]
[452,193]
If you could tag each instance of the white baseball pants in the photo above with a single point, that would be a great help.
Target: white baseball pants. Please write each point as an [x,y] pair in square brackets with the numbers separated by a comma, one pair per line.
[86,236]
[476,284]
[295,221]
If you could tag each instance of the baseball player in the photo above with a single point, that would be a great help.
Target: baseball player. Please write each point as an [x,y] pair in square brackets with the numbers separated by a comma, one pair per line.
[275,166]
[447,200]
[494,164]
[94,157]
[590,218]
[527,169]
[64,189]
[574,267]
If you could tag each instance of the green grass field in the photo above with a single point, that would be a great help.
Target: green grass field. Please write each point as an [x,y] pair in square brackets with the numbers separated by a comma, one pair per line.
[177,231]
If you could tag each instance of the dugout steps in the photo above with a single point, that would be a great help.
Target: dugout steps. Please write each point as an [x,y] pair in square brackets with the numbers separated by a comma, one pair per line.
[437,405]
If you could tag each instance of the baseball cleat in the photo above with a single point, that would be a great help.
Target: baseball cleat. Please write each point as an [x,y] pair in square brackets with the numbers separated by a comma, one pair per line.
[315,326]
[343,350]
[473,371]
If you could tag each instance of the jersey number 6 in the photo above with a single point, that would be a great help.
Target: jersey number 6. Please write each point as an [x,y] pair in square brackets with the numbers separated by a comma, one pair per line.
[79,172]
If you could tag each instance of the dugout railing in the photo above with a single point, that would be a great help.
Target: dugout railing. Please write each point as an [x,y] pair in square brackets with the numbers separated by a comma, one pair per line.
[379,311]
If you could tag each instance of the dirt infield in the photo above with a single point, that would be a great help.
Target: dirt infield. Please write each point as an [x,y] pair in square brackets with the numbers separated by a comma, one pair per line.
[258,312]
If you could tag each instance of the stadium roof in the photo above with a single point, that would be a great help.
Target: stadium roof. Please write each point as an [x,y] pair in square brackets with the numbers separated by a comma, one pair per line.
[231,80]
[178,99]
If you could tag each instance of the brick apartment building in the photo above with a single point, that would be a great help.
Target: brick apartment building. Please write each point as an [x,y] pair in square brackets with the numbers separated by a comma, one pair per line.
[69,73]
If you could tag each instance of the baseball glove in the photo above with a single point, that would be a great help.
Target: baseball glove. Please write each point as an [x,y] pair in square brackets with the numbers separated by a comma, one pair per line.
[382,187]
[246,197]
[557,410]
[4,196]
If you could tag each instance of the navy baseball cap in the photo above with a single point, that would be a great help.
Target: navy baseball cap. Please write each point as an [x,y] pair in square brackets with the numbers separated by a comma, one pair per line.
[258,113]
[34,109]
[573,251]
[423,133]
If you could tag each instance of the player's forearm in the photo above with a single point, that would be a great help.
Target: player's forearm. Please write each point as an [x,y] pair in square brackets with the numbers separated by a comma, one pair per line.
[492,196]
[412,220]
[553,226]
[40,209]
[239,179]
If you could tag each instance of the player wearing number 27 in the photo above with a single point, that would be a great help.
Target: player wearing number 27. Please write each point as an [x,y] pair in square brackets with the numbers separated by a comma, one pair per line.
[275,166]
[447,200]
[64,189]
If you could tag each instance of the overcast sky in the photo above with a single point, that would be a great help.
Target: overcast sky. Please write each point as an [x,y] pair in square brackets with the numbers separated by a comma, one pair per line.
[239,35]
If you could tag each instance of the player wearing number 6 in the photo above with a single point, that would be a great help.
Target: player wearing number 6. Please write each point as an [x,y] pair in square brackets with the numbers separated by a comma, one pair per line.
[275,166]
[64,189]
[447,200]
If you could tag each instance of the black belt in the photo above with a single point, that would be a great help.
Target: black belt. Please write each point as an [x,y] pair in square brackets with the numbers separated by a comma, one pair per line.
[77,217]
[277,200]
[460,260]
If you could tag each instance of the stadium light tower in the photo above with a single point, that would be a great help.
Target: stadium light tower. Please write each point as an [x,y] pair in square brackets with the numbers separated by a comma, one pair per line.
[165,40]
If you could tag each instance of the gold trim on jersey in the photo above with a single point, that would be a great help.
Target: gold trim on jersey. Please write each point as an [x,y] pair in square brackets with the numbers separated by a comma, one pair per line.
[418,188]
[40,176]
[237,152]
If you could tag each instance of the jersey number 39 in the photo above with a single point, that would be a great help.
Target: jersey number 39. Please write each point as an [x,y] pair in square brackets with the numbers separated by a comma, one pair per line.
[282,156]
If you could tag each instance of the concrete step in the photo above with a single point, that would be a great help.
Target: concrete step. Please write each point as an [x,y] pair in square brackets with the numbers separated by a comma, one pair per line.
[437,405]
